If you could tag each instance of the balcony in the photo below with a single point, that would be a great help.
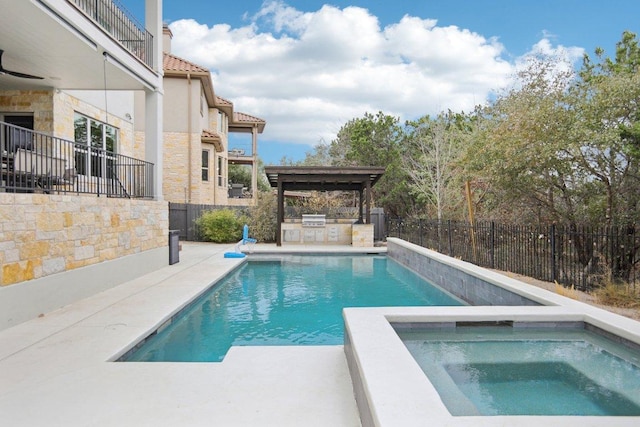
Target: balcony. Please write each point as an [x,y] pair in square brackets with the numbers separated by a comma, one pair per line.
[33,162]
[119,23]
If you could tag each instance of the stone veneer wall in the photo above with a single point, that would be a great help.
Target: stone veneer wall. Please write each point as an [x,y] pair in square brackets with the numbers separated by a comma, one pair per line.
[43,234]
[362,235]
[443,271]
[53,114]
[175,178]
[38,102]
[64,107]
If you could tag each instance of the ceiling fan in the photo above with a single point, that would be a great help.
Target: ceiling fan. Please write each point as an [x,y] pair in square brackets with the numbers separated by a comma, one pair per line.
[15,73]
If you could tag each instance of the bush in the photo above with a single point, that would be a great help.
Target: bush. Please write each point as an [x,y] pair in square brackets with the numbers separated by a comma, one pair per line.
[221,226]
[263,218]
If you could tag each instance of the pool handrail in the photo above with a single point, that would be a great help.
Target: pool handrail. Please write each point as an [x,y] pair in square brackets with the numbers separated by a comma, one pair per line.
[245,236]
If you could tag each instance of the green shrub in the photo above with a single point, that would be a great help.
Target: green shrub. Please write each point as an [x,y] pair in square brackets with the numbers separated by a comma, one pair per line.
[220,226]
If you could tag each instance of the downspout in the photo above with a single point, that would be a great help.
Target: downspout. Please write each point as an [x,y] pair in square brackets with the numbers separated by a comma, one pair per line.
[189,152]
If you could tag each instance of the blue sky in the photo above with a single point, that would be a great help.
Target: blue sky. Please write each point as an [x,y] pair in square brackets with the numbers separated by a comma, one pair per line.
[307,67]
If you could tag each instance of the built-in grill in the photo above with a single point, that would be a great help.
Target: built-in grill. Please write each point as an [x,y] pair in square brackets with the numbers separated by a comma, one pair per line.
[314,220]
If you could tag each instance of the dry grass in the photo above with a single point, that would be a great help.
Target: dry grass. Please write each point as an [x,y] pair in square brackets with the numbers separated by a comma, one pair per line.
[618,295]
[629,310]
[566,292]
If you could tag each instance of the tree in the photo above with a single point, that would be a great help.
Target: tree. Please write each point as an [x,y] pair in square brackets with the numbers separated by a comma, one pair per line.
[435,146]
[559,147]
[607,101]
[607,98]
[376,141]
[240,174]
[319,156]
[519,148]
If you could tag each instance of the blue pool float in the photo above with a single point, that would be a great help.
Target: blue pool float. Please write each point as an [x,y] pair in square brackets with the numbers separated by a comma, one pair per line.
[234,255]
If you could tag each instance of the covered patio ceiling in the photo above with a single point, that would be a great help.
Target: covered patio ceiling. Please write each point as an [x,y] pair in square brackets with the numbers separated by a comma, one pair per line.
[53,39]
[323,178]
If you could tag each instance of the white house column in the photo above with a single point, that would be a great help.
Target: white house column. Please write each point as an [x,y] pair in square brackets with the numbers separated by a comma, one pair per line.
[254,166]
[153,137]
[153,98]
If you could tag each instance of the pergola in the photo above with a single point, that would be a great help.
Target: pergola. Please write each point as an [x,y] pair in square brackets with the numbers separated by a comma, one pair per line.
[323,178]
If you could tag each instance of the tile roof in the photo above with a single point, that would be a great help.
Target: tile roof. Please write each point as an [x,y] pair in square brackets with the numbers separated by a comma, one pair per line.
[209,134]
[212,137]
[223,102]
[243,117]
[173,63]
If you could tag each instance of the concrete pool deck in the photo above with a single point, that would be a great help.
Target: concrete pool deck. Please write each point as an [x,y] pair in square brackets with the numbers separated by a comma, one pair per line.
[58,370]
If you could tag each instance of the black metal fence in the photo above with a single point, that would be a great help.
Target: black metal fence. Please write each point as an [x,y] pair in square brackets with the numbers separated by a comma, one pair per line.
[580,256]
[34,162]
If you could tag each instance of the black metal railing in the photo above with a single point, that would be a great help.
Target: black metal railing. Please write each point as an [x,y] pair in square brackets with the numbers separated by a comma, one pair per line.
[580,256]
[114,18]
[36,162]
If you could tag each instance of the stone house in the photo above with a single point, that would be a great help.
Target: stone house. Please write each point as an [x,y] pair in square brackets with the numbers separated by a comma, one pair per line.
[81,194]
[197,126]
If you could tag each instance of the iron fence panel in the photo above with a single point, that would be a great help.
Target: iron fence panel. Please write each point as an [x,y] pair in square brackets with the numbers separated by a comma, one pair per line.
[573,255]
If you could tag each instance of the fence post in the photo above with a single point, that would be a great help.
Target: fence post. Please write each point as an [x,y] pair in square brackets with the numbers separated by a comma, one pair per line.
[552,239]
[420,231]
[492,247]
[450,241]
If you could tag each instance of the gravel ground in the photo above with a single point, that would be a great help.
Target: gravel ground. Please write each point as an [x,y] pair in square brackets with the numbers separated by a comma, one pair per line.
[632,313]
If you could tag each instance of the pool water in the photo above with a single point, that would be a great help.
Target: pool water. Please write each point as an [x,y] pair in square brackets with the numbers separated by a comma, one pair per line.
[292,300]
[529,371]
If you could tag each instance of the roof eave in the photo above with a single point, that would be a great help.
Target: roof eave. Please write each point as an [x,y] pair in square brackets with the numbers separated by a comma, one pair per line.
[205,76]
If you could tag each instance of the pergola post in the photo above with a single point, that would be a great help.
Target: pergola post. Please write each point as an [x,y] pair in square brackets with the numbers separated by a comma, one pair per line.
[368,214]
[360,206]
[280,212]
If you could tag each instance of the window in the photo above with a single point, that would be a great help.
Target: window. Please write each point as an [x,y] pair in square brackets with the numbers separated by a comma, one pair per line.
[12,138]
[205,165]
[220,172]
[219,123]
[203,102]
[96,147]
[25,121]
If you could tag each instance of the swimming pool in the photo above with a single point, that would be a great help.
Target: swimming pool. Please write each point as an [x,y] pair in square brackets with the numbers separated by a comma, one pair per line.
[565,369]
[289,300]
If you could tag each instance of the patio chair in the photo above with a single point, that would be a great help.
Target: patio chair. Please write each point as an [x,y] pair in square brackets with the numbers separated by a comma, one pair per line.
[69,178]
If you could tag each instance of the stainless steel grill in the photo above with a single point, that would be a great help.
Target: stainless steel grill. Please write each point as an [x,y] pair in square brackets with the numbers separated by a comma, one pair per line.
[313,220]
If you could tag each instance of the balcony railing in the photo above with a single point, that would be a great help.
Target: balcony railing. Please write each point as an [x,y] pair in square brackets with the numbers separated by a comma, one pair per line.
[33,162]
[114,18]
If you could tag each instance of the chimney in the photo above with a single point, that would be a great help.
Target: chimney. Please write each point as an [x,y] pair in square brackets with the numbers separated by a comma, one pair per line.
[167,35]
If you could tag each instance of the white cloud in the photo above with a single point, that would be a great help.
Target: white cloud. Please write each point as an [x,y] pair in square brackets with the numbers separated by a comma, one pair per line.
[307,73]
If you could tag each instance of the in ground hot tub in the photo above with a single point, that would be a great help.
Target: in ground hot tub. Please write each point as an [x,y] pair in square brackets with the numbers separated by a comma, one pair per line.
[493,366]
[527,368]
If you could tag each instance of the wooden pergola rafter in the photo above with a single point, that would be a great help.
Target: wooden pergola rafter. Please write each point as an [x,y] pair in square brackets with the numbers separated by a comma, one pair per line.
[321,178]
